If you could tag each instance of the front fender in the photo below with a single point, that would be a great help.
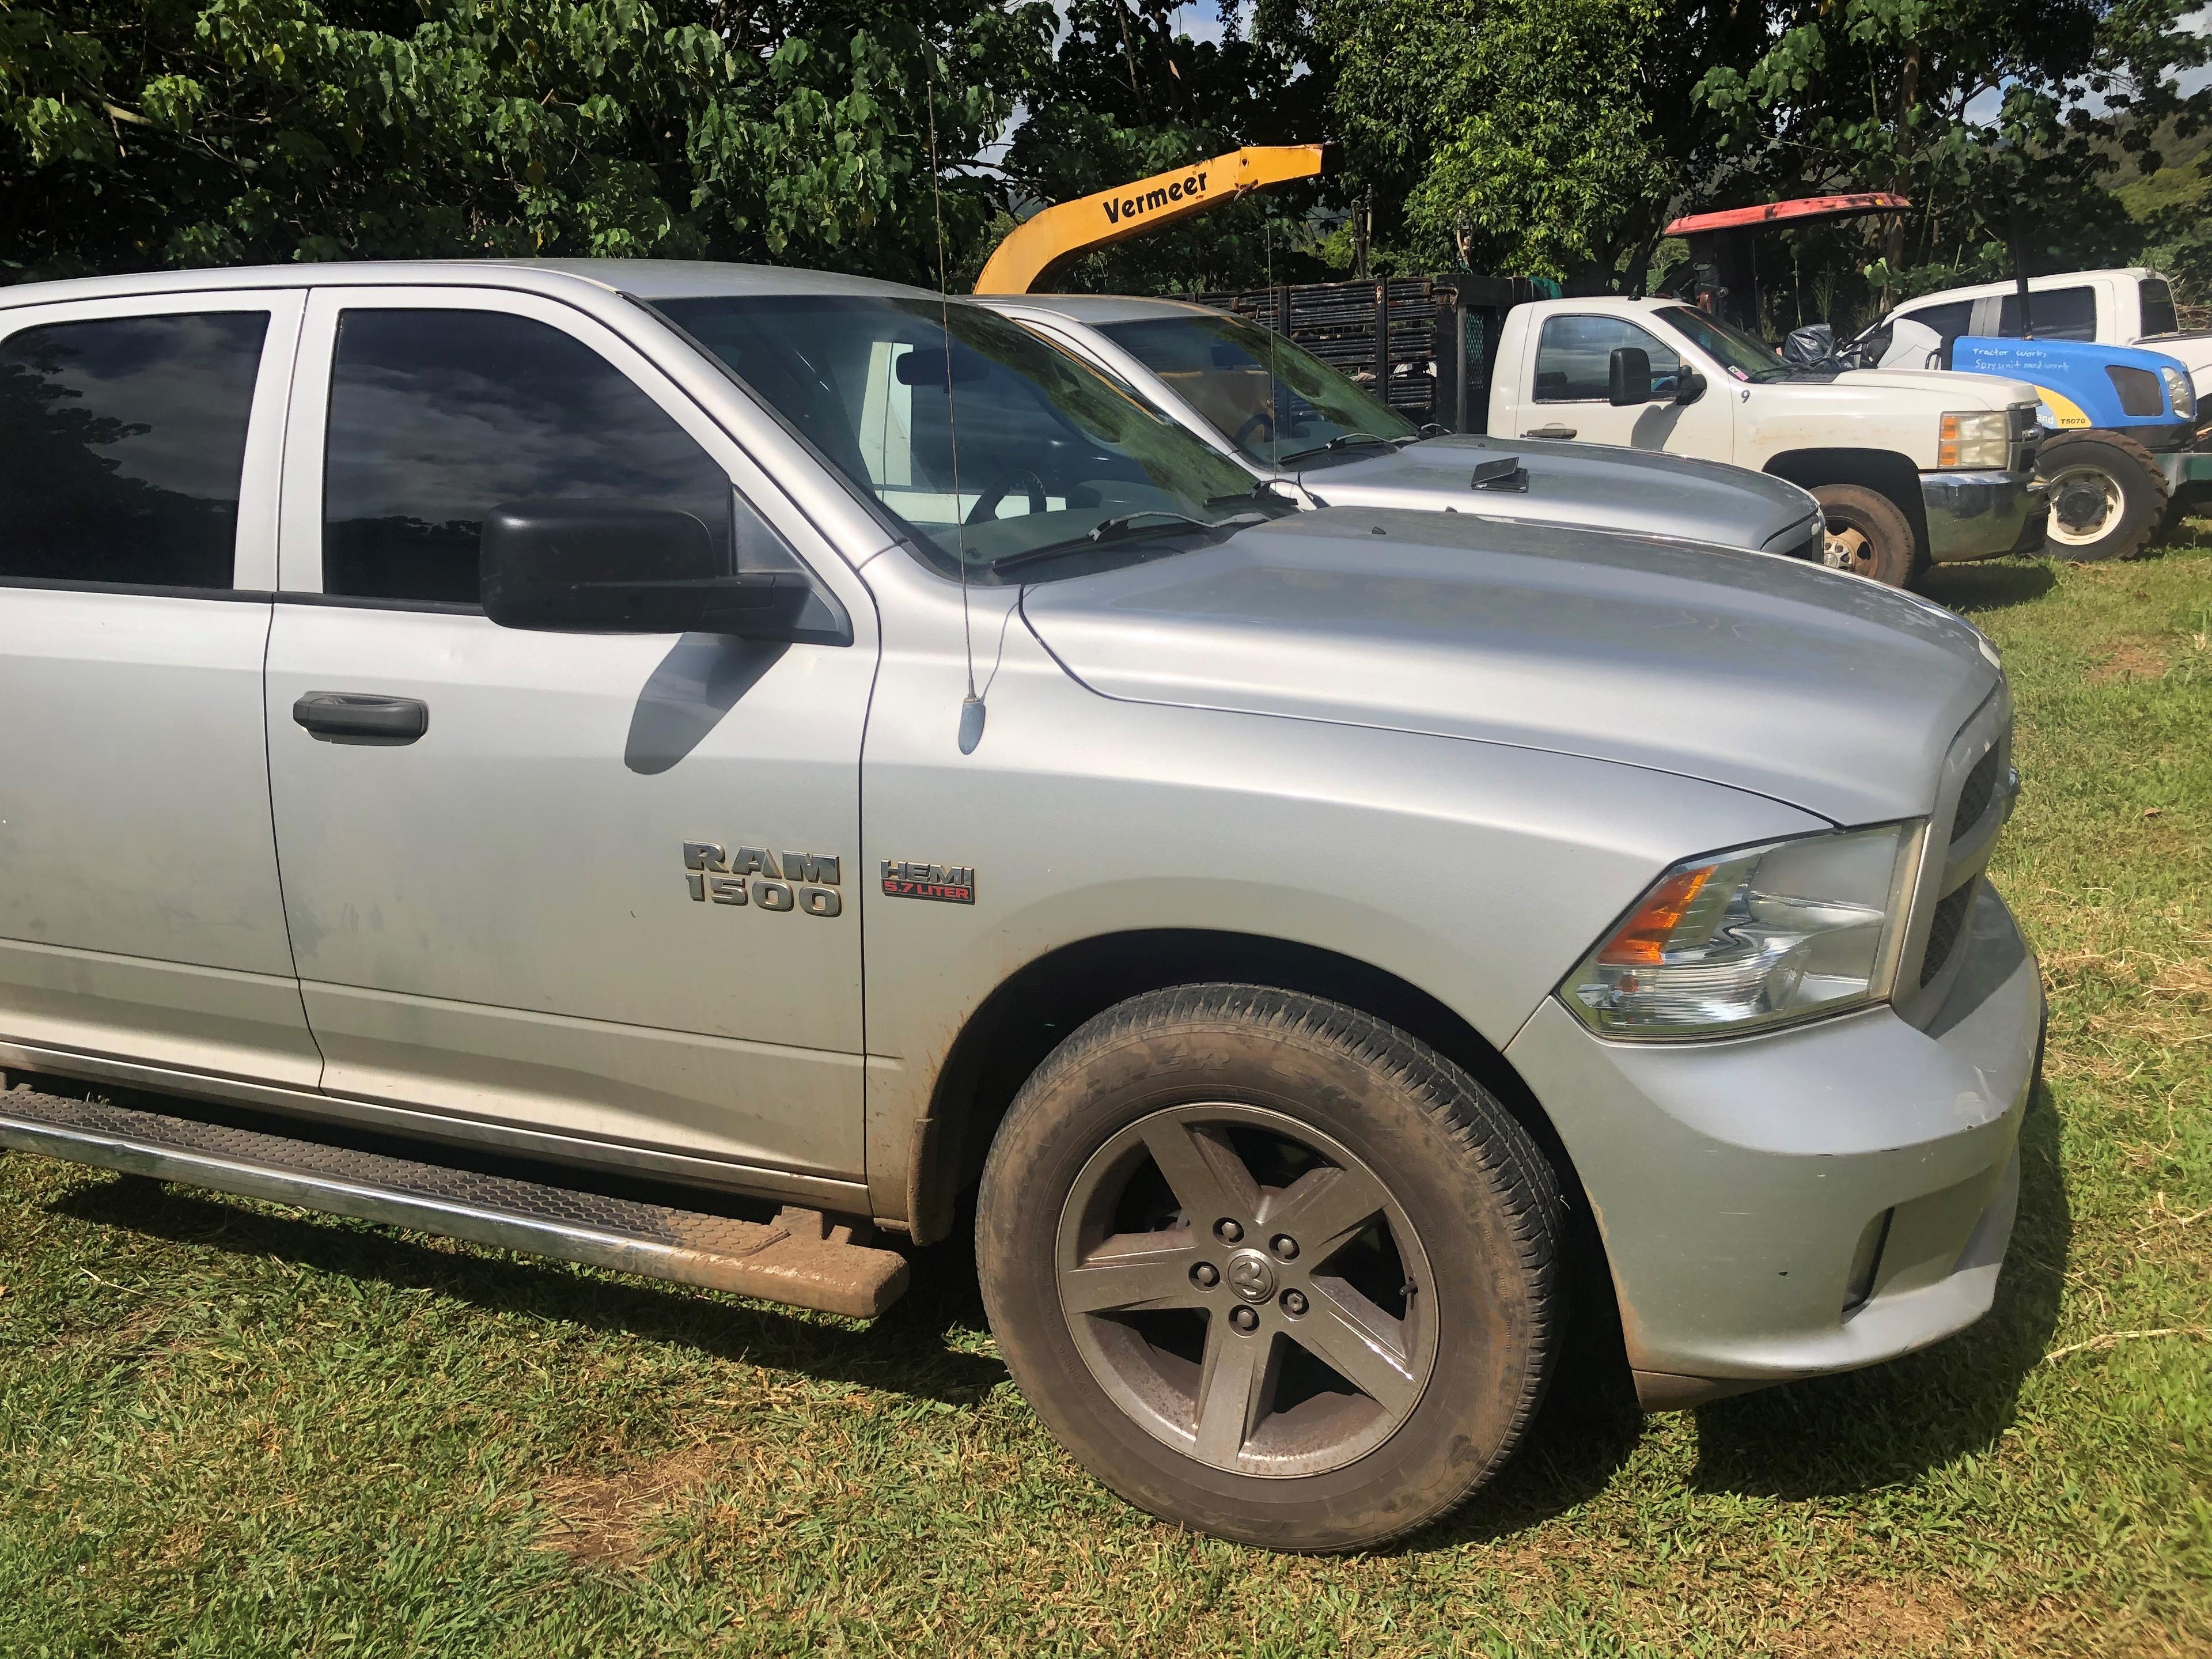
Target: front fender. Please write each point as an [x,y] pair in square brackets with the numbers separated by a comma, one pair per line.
[1476,873]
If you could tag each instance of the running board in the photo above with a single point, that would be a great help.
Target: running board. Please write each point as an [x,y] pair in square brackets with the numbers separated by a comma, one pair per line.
[799,1258]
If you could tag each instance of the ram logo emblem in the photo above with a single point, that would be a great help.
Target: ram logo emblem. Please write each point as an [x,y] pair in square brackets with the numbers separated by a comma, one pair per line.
[756,876]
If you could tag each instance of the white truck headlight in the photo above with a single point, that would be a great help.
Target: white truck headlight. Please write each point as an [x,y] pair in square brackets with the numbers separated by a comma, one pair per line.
[1974,441]
[1732,942]
[2182,392]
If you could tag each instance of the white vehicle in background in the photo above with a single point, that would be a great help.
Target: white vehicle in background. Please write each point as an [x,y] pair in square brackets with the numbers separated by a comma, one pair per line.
[1910,467]
[1287,418]
[2134,307]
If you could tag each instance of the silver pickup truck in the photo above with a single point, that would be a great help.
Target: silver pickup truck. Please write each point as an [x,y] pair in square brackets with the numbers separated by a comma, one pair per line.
[1283,414]
[693,769]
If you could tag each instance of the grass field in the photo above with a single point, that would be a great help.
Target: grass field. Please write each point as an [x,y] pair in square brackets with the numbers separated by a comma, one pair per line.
[227,1429]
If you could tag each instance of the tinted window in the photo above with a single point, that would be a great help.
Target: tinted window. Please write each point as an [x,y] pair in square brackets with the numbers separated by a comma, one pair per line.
[1950,320]
[1574,357]
[2059,314]
[122,442]
[438,416]
[2158,316]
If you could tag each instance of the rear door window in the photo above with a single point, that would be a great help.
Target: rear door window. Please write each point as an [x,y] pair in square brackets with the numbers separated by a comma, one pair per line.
[2158,314]
[1574,359]
[2059,314]
[438,416]
[1950,320]
[123,447]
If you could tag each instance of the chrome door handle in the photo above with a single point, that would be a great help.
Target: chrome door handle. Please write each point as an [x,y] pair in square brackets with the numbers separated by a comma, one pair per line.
[361,717]
[1549,432]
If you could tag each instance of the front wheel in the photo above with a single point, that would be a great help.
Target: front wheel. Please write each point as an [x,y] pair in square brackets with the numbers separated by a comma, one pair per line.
[2108,495]
[1269,1267]
[1868,534]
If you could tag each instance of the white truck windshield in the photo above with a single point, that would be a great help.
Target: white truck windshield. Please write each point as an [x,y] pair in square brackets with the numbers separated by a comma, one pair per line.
[1273,400]
[989,445]
[1742,356]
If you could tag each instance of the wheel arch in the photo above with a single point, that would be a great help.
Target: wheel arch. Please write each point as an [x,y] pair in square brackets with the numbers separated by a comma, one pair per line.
[1032,1011]
[1893,474]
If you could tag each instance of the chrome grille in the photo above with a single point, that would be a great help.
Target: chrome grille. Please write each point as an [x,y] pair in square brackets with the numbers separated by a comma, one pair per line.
[1946,928]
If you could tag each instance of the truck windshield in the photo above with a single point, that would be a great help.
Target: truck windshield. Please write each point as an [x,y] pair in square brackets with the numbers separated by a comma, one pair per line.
[1273,400]
[1049,456]
[1744,357]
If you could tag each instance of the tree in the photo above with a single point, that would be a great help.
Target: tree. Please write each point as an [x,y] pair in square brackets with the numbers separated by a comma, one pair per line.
[1535,139]
[149,132]
[1124,97]
[1875,94]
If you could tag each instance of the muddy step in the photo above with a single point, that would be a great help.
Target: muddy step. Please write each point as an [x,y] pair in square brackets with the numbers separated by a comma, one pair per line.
[799,1258]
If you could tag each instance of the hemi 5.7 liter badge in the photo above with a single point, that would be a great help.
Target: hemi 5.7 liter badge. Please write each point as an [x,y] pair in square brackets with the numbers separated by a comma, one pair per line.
[948,884]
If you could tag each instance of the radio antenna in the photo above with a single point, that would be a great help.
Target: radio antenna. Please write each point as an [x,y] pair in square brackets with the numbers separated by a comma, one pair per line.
[971,705]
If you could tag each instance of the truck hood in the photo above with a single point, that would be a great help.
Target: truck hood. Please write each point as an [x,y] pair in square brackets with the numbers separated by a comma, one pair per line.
[1955,390]
[1594,484]
[1808,686]
[2192,350]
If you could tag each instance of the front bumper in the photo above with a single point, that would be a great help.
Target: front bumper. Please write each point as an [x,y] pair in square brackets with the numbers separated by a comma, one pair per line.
[1982,515]
[1739,1185]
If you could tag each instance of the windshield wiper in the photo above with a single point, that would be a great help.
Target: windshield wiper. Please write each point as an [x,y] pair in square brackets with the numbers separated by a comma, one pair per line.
[1342,441]
[1122,526]
[1265,490]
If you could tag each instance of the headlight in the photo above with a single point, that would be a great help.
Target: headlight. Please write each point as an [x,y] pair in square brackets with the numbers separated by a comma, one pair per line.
[2184,394]
[1974,443]
[1734,941]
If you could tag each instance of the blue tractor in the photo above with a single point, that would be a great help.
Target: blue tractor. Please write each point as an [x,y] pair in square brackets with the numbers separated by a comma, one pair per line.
[2119,426]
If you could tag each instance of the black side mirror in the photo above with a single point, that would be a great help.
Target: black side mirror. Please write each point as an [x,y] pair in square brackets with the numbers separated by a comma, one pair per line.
[1628,376]
[616,567]
[1690,387]
[1815,342]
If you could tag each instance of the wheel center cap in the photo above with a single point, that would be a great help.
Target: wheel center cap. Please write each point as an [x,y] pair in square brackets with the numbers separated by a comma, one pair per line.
[1251,1275]
[2080,505]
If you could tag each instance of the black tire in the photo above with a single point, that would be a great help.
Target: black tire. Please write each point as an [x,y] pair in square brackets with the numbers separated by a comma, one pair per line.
[2108,495]
[1469,1206]
[1869,534]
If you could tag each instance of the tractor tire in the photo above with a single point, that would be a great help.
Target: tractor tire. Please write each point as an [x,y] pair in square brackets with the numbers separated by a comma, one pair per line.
[2108,497]
[1271,1268]
[1869,535]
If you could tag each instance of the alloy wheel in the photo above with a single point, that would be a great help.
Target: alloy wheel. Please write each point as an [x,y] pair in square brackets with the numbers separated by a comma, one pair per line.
[1245,1290]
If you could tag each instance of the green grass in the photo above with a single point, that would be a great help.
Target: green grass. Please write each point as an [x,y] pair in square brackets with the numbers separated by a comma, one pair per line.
[227,1429]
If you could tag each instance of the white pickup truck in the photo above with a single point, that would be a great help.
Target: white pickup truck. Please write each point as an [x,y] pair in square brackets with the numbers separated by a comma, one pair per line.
[2134,307]
[1912,468]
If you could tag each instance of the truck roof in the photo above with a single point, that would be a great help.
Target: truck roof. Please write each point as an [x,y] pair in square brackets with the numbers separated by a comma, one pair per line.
[2035,285]
[1097,309]
[646,279]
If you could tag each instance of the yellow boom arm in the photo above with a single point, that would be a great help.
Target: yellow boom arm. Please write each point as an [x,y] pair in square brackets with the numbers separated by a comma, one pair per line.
[1051,238]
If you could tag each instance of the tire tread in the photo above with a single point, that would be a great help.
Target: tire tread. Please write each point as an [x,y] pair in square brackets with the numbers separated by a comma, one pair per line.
[1515,1169]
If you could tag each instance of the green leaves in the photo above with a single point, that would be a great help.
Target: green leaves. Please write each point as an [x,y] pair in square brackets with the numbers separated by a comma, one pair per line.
[1875,94]
[278,129]
[1523,134]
